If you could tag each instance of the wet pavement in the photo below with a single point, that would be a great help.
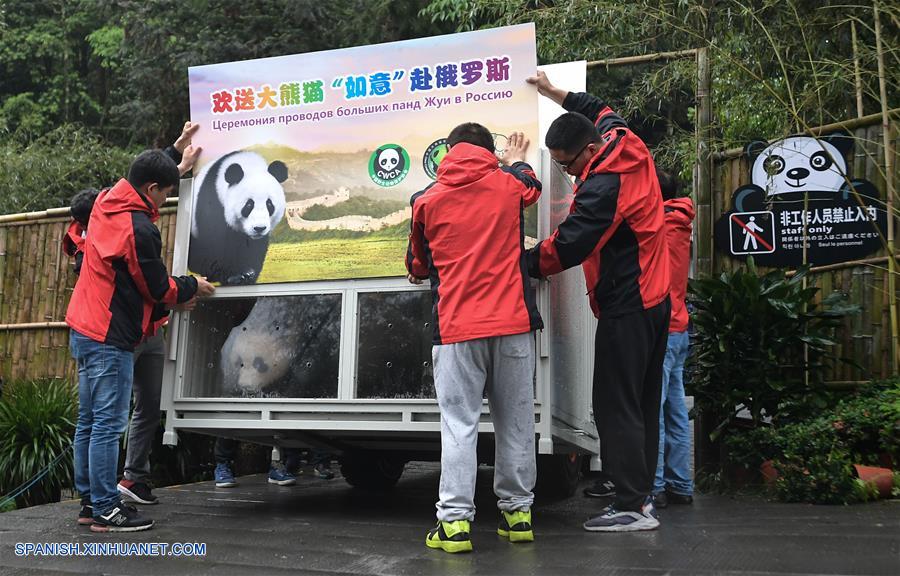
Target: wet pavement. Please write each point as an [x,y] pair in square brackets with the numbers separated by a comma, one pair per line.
[327,527]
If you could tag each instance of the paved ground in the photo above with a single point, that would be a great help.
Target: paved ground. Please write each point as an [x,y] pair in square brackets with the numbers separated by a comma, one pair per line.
[325,527]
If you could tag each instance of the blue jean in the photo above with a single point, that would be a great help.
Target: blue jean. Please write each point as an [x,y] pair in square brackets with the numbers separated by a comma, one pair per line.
[105,374]
[673,465]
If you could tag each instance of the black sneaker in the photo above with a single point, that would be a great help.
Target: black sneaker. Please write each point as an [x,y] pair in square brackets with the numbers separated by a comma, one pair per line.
[324,472]
[137,492]
[121,518]
[660,500]
[601,489]
[86,514]
[676,498]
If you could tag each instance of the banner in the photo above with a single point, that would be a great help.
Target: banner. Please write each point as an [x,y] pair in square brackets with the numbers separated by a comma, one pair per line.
[309,160]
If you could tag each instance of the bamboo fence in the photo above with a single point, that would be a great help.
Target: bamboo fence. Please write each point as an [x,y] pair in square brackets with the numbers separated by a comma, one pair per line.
[866,338]
[36,281]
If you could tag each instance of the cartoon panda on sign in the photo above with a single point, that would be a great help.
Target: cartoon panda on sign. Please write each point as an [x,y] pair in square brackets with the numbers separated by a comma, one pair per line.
[238,203]
[801,193]
[800,164]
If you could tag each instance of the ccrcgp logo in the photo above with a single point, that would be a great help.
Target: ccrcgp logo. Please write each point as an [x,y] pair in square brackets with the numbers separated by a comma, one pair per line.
[388,165]
[433,156]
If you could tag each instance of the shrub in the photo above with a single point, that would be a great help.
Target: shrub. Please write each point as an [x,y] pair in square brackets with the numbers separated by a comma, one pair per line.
[814,457]
[748,346]
[37,423]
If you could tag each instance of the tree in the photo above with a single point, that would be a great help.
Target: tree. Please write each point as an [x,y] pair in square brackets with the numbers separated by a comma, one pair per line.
[777,65]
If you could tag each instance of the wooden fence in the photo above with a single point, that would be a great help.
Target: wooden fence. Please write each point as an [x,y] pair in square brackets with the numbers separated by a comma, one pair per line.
[36,281]
[865,338]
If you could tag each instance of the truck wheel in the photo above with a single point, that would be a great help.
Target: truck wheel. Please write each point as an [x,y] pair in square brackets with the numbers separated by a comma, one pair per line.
[372,470]
[558,474]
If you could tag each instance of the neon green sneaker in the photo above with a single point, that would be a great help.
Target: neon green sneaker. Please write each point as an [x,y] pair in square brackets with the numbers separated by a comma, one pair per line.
[516,526]
[450,537]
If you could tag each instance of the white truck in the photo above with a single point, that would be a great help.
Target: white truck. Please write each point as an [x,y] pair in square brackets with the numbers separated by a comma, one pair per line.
[351,364]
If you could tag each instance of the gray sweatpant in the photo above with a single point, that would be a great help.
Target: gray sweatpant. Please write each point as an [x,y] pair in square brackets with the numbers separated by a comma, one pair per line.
[149,357]
[504,366]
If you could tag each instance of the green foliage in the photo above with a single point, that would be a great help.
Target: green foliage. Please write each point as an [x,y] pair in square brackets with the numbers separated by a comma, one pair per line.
[106,44]
[47,172]
[43,55]
[37,423]
[748,350]
[776,65]
[814,457]
[357,205]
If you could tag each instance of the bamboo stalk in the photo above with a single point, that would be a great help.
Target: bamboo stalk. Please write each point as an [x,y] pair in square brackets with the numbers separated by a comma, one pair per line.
[170,206]
[704,169]
[843,265]
[39,302]
[692,52]
[33,326]
[8,311]
[818,130]
[56,285]
[3,264]
[28,271]
[856,74]
[889,177]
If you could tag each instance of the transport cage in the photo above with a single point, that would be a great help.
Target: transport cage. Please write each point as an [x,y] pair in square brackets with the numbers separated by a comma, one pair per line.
[347,363]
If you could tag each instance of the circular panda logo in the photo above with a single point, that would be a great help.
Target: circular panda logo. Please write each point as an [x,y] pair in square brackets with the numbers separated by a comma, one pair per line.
[388,165]
[433,156]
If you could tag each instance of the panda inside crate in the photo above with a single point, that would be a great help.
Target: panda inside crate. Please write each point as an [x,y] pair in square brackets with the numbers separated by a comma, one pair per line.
[281,347]
[287,347]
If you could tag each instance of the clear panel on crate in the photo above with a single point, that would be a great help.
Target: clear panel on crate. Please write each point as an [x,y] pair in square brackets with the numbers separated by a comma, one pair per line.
[394,351]
[266,347]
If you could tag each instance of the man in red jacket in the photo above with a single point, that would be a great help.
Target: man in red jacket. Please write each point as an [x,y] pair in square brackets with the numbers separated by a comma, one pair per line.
[615,231]
[674,484]
[113,305]
[467,237]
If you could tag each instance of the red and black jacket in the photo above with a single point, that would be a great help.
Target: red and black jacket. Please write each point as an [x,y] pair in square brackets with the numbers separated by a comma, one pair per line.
[122,275]
[679,215]
[467,236]
[73,243]
[615,223]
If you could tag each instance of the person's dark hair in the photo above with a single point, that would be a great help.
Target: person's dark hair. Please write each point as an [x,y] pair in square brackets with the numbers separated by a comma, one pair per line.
[153,166]
[668,184]
[82,204]
[473,134]
[570,133]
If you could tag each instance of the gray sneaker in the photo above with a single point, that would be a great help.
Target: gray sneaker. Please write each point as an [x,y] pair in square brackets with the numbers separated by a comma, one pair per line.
[613,520]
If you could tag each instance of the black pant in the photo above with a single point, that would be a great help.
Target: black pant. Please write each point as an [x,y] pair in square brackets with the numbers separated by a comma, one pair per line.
[628,360]
[225,450]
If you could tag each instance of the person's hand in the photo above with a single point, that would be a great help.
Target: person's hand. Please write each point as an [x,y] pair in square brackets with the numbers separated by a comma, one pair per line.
[187,306]
[515,149]
[545,88]
[204,288]
[189,158]
[184,139]
[413,280]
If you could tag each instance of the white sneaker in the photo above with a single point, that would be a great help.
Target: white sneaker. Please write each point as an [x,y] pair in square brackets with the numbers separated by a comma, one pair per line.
[613,520]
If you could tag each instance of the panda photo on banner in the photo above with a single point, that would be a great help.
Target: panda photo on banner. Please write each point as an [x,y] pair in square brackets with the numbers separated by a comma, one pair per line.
[801,190]
[239,202]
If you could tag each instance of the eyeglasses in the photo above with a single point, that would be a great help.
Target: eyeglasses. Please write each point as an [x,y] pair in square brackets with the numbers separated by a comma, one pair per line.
[565,165]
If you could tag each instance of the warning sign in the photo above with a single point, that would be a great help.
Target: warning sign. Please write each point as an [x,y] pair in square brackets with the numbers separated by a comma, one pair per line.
[752,232]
